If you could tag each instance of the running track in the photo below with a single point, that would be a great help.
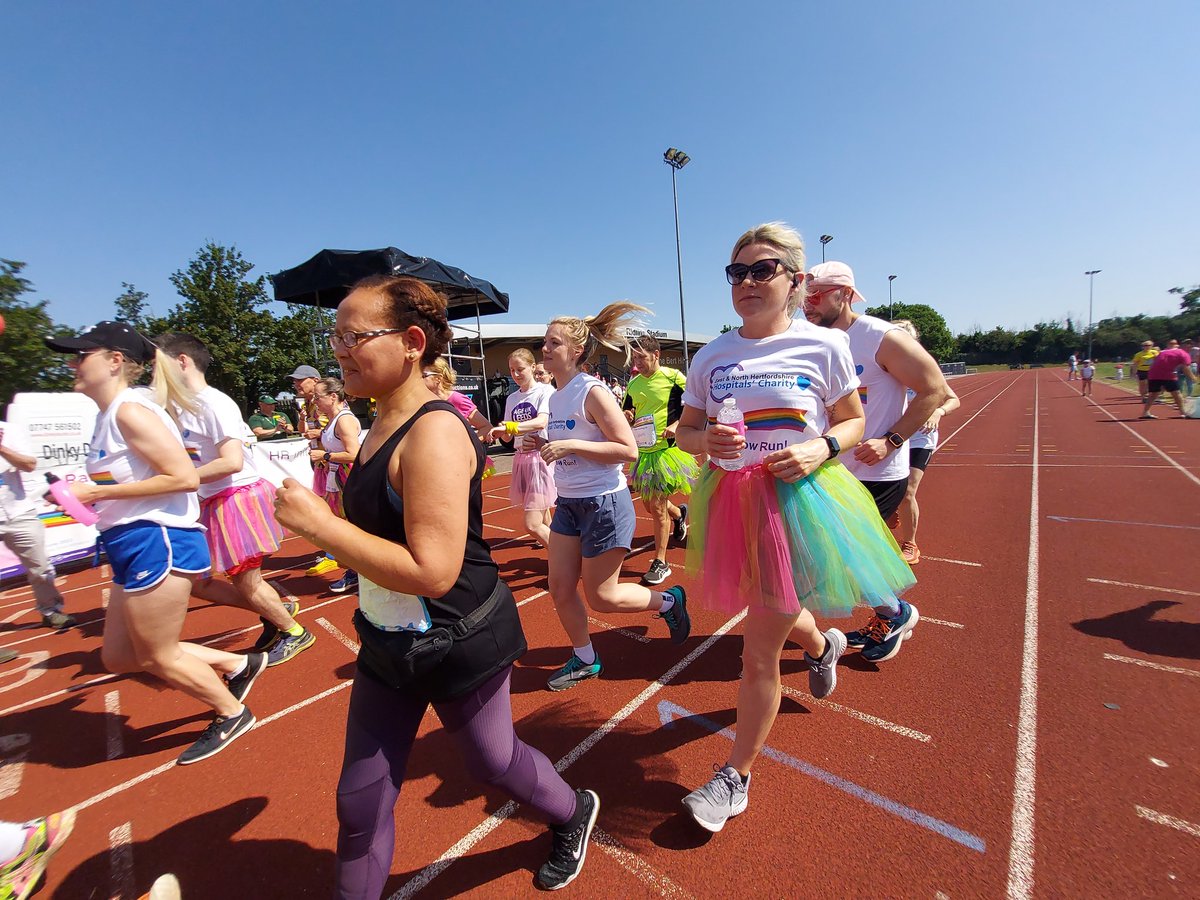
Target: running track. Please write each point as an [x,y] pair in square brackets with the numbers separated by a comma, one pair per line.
[1032,740]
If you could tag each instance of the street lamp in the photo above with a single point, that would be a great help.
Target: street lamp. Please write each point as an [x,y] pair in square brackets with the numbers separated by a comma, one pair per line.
[891,278]
[825,239]
[677,159]
[1091,274]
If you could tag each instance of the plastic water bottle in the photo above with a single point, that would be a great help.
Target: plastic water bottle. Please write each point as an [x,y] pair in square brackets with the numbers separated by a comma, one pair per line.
[730,415]
[62,495]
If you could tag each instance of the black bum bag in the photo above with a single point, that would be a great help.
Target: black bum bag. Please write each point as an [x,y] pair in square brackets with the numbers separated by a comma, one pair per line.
[399,658]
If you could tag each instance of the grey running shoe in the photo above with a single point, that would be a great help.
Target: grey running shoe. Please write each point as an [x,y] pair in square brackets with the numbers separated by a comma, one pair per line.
[221,732]
[239,685]
[58,620]
[658,572]
[720,800]
[270,633]
[7,655]
[679,532]
[569,850]
[677,617]
[288,646]
[575,671]
[822,673]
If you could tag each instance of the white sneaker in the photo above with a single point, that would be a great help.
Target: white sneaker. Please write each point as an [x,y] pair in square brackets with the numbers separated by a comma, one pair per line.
[822,673]
[720,800]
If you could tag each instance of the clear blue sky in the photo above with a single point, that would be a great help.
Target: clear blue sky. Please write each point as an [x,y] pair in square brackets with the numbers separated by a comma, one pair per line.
[987,154]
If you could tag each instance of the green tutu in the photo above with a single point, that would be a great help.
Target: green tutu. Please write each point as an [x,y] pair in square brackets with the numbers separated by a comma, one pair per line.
[664,472]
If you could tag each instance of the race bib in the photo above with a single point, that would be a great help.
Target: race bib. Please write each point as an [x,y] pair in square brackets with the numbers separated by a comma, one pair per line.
[643,431]
[392,610]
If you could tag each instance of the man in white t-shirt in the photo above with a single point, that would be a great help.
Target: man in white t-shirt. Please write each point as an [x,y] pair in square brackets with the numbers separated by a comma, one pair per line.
[236,506]
[23,532]
[889,363]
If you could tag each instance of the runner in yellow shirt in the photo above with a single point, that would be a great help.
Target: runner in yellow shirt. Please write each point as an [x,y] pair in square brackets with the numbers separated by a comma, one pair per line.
[1141,365]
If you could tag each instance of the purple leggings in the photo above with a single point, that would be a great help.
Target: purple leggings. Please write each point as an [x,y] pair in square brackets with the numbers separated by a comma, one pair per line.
[380,731]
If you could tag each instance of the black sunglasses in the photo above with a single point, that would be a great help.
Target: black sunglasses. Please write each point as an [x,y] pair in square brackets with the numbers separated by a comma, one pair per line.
[763,270]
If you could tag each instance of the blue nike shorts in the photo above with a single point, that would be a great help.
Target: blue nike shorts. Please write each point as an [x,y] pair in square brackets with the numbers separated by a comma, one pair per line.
[143,553]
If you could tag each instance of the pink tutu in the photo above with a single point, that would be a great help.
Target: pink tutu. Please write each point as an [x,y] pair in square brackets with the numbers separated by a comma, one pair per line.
[241,525]
[532,484]
[818,544]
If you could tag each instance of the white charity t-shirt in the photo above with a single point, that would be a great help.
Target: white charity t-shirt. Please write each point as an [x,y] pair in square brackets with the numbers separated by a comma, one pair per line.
[782,383]
[218,420]
[884,400]
[14,501]
[574,476]
[524,406]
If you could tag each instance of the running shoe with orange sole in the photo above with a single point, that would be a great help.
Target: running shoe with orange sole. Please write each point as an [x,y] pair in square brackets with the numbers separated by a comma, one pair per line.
[911,552]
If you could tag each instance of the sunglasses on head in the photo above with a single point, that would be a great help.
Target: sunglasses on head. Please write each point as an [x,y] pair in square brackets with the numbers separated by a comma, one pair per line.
[763,270]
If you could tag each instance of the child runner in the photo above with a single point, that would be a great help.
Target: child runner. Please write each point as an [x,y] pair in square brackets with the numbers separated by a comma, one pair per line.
[525,413]
[1087,373]
[144,487]
[414,504]
[920,450]
[333,460]
[589,443]
[235,505]
[793,530]
[653,402]
[440,379]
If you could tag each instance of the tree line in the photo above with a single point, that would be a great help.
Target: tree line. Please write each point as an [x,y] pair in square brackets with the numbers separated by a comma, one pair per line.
[254,349]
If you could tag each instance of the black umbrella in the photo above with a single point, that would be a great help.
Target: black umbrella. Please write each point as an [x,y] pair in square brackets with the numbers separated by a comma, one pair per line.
[326,279]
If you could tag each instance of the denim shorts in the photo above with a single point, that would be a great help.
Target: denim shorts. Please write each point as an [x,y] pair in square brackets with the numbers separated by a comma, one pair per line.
[143,553]
[601,523]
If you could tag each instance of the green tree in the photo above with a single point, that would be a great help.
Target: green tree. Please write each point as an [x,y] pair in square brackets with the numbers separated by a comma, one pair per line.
[131,306]
[935,335]
[1191,298]
[26,363]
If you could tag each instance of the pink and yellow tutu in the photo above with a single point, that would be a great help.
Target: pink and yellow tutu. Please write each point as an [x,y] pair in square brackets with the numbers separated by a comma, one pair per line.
[241,526]
[818,544]
[322,488]
[532,485]
[664,472]
[489,468]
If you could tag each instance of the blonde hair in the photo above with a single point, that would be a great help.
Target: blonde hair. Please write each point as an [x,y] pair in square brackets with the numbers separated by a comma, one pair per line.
[167,386]
[909,327]
[607,328]
[523,355]
[447,377]
[790,245]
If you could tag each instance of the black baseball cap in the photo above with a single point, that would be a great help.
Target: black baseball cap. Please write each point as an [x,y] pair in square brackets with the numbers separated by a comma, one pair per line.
[107,336]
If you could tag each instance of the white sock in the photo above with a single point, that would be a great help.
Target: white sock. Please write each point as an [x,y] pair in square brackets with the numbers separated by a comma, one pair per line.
[586,654]
[240,669]
[668,601]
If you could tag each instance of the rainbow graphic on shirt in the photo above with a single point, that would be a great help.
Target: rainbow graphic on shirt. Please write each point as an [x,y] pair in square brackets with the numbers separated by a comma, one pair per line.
[862,388]
[102,477]
[193,454]
[783,419]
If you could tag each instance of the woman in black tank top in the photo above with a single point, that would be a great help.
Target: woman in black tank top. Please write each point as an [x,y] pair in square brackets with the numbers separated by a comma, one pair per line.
[413,531]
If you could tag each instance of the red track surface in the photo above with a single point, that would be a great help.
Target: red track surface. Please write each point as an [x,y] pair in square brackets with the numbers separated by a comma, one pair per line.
[934,732]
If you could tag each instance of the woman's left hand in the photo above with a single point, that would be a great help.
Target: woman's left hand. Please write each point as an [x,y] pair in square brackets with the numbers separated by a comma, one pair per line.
[556,450]
[316,455]
[797,461]
[299,509]
[85,492]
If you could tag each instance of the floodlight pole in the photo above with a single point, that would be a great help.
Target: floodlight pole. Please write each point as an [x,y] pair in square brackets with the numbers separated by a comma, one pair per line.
[1091,274]
[677,159]
[825,239]
[891,278]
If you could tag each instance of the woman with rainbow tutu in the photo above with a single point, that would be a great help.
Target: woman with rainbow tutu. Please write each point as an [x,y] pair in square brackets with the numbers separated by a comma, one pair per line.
[791,532]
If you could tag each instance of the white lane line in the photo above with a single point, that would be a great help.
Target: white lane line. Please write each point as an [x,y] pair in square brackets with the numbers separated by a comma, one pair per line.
[640,638]
[499,528]
[651,878]
[956,562]
[1145,587]
[1158,818]
[105,594]
[942,622]
[981,409]
[1122,522]
[810,700]
[496,819]
[340,635]
[120,862]
[1191,477]
[12,772]
[114,733]
[170,765]
[1146,664]
[283,592]
[532,598]
[512,540]
[1020,856]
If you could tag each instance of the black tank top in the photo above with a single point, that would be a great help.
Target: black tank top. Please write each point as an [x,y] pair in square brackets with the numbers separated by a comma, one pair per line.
[373,505]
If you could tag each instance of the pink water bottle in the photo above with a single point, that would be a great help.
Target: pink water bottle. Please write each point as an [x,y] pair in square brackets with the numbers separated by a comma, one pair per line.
[62,495]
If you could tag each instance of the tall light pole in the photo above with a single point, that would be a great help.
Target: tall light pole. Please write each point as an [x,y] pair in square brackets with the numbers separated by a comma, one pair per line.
[1091,274]
[677,159]
[825,239]
[891,278]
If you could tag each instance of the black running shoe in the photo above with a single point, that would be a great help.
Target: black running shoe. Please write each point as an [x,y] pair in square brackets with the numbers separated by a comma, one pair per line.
[239,685]
[569,850]
[347,584]
[677,617]
[679,533]
[221,732]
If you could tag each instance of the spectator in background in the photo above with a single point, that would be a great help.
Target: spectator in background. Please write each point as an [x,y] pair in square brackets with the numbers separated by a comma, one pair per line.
[23,532]
[1141,365]
[1163,375]
[267,424]
[541,375]
[1072,367]
[1087,373]
[1193,350]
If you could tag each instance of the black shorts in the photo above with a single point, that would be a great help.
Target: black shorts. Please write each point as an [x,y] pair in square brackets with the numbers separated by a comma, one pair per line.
[1142,376]
[888,495]
[1158,385]
[918,457]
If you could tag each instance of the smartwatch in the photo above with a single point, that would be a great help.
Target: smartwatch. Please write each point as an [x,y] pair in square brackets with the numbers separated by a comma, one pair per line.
[894,439]
[832,443]
[328,455]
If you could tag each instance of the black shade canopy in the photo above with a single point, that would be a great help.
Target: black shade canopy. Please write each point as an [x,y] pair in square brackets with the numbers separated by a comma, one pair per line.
[326,279]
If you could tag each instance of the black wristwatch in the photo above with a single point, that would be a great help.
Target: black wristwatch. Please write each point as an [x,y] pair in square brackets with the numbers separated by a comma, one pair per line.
[894,439]
[832,443]
[328,456]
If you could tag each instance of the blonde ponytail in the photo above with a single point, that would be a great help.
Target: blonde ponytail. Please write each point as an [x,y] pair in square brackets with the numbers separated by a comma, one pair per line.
[169,389]
[609,328]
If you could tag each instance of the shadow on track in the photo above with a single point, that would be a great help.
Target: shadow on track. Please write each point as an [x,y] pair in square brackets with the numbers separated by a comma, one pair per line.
[1138,629]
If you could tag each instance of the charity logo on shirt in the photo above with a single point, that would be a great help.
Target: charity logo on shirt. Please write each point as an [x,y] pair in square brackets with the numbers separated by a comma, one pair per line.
[726,381]
[524,412]
[862,388]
